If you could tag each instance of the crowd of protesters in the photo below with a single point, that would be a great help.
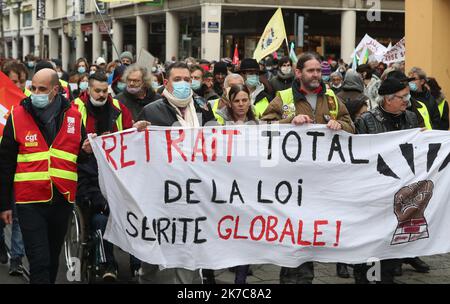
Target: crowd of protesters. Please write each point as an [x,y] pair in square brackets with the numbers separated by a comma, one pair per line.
[369,98]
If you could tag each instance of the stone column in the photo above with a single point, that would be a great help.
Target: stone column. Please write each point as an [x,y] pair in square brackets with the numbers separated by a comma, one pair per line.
[26,46]
[117,38]
[79,52]
[142,29]
[96,42]
[348,34]
[172,35]
[65,50]
[211,31]
[53,44]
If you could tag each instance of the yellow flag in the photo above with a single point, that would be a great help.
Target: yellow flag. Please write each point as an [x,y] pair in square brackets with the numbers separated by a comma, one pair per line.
[274,35]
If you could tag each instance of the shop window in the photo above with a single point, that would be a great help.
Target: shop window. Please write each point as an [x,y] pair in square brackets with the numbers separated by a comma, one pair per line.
[27,19]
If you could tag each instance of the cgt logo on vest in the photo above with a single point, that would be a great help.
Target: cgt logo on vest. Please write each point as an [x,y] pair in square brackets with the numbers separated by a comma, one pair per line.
[31,140]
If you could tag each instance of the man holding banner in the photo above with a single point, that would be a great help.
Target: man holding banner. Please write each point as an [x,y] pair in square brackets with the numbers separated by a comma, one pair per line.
[308,101]
[177,107]
[390,115]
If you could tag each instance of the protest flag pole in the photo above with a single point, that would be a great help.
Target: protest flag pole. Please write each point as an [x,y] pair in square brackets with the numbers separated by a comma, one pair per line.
[107,27]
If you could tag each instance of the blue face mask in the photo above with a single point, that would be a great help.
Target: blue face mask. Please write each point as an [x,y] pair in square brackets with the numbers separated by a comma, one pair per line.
[326,78]
[30,64]
[121,86]
[155,85]
[413,86]
[196,84]
[81,70]
[252,81]
[40,101]
[181,89]
[84,85]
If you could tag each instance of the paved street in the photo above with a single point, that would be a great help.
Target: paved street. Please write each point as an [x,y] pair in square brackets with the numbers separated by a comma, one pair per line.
[326,273]
[269,274]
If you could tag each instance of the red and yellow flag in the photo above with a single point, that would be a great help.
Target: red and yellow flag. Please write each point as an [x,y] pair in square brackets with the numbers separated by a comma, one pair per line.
[10,95]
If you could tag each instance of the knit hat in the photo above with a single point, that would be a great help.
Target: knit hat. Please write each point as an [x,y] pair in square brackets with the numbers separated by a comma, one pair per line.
[326,68]
[126,55]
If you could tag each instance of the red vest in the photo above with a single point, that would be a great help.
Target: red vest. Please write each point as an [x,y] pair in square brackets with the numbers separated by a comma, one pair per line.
[38,166]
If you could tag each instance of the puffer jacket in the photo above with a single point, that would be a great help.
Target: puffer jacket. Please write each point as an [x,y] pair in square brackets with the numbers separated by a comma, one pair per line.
[377,121]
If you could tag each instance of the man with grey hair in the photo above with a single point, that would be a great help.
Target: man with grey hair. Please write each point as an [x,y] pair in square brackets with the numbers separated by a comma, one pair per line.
[391,114]
[423,97]
[336,81]
[138,92]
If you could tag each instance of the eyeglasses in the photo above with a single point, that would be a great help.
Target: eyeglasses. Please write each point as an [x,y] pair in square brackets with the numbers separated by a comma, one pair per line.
[405,98]
[134,81]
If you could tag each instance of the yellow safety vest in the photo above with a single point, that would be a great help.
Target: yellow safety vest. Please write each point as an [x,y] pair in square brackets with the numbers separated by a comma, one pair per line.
[287,96]
[27,92]
[214,109]
[82,109]
[260,107]
[423,111]
[441,107]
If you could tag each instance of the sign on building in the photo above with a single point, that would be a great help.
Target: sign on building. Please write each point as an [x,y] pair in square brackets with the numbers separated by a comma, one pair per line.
[102,8]
[40,5]
[213,27]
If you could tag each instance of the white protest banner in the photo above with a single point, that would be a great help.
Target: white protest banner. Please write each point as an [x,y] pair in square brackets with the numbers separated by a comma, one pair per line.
[396,53]
[146,59]
[376,49]
[217,197]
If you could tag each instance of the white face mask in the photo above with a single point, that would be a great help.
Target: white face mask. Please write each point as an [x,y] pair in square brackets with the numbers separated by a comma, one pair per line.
[60,74]
[286,70]
[97,103]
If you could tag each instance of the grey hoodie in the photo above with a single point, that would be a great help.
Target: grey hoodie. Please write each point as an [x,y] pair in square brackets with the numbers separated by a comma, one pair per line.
[353,82]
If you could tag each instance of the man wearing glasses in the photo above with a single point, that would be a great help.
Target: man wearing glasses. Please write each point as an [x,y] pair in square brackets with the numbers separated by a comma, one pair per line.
[139,91]
[426,105]
[391,114]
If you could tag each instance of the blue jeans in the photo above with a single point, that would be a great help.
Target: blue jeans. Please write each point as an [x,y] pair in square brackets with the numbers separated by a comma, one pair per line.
[17,249]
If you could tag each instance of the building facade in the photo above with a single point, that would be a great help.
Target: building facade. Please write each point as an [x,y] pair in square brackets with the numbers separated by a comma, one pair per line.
[208,29]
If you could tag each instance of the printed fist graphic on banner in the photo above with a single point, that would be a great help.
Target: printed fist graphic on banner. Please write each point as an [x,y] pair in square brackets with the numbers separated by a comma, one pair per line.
[410,203]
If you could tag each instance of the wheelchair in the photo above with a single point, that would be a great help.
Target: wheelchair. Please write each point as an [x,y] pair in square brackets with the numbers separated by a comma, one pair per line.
[83,248]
